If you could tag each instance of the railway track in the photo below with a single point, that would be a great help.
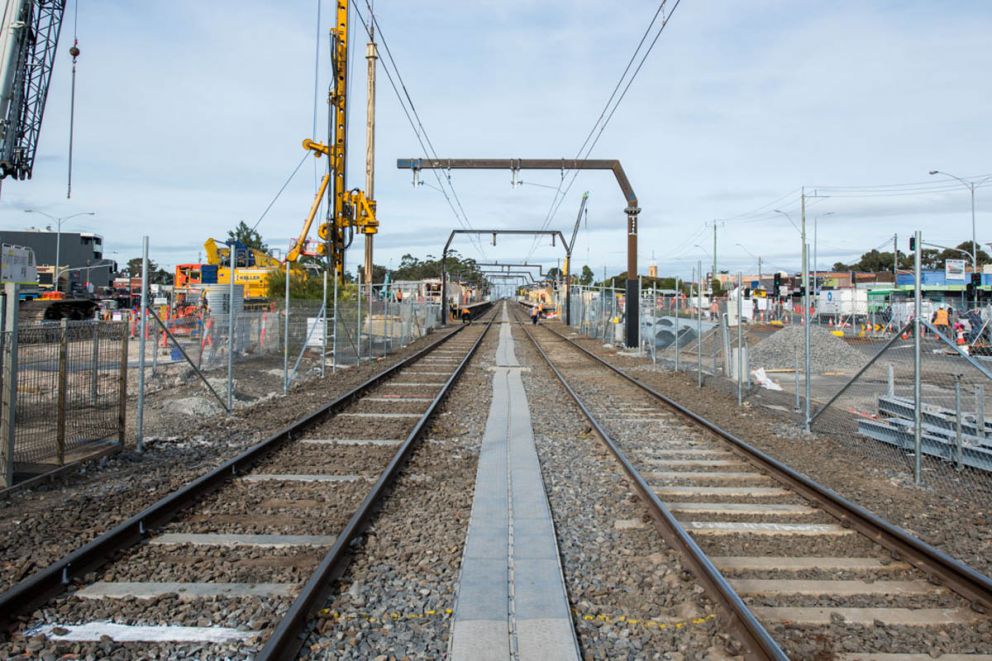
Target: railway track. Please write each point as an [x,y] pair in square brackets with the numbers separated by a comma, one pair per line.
[236,562]
[799,571]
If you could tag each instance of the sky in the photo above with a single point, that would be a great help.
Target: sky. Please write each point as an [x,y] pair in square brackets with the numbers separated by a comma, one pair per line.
[190,117]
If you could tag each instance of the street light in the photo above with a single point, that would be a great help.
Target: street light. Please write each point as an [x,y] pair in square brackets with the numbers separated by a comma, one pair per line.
[755,256]
[58,236]
[970,185]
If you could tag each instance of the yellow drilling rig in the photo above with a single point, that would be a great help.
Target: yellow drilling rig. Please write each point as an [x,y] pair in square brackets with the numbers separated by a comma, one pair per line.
[349,211]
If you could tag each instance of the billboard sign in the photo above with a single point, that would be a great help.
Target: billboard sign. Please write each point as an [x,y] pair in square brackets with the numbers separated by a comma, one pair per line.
[954,269]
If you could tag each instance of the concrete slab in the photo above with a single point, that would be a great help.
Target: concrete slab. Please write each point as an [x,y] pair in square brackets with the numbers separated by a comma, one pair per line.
[763,563]
[351,441]
[694,463]
[186,591]
[804,587]
[912,617]
[872,656]
[765,529]
[705,475]
[765,509]
[690,451]
[266,541]
[505,355]
[511,600]
[278,477]
[760,492]
[485,640]
[127,633]
[380,415]
[396,400]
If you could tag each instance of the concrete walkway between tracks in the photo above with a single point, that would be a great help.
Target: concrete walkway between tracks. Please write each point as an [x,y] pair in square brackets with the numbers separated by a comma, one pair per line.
[511,600]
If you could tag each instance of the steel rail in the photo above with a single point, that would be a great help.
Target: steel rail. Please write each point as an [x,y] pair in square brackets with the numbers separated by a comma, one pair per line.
[754,636]
[293,629]
[956,575]
[42,586]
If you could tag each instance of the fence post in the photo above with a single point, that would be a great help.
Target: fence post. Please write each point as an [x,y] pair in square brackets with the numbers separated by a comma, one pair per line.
[9,410]
[122,391]
[60,411]
[678,322]
[980,410]
[358,324]
[891,378]
[233,261]
[323,332]
[285,338]
[917,375]
[140,419]
[334,330]
[797,380]
[95,372]
[740,341]
[699,323]
[957,421]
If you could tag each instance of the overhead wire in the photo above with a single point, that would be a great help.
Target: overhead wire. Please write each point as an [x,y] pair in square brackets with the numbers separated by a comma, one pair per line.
[416,124]
[285,184]
[611,106]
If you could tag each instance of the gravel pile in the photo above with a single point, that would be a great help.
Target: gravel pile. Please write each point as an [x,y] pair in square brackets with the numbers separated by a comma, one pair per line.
[615,563]
[829,352]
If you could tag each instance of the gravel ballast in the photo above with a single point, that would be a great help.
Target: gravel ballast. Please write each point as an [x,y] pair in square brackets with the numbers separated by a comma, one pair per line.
[630,593]
[828,353]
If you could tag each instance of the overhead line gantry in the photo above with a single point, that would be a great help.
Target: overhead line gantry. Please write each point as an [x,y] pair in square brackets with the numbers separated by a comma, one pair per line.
[632,325]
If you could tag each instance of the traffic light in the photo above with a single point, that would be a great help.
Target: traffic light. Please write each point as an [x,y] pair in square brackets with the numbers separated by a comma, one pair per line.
[747,292]
[971,289]
[777,283]
[912,244]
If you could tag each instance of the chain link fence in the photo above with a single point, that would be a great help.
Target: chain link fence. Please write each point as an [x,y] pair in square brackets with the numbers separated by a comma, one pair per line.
[854,364]
[70,384]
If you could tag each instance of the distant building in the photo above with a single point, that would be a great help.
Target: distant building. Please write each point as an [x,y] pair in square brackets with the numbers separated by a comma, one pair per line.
[78,250]
[653,271]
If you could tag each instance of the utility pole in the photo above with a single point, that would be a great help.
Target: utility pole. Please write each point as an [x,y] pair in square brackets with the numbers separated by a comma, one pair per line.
[895,258]
[714,251]
[371,55]
[806,338]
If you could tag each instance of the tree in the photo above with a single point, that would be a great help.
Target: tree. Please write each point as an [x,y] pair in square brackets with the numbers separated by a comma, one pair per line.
[133,268]
[248,236]
[587,276]
[554,273]
[378,274]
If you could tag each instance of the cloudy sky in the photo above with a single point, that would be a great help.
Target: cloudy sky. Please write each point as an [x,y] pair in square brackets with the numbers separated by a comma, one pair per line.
[190,116]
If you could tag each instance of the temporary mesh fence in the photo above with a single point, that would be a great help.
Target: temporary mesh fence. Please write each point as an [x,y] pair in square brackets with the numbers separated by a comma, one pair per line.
[271,344]
[69,389]
[874,412]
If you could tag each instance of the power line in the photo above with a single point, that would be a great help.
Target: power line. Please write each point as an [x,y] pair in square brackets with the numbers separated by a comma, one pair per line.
[416,124]
[610,108]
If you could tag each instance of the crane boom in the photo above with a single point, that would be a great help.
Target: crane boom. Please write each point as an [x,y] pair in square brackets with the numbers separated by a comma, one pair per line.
[28,43]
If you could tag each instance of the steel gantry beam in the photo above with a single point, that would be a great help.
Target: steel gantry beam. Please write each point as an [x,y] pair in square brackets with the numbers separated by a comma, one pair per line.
[554,234]
[522,274]
[632,327]
[509,265]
